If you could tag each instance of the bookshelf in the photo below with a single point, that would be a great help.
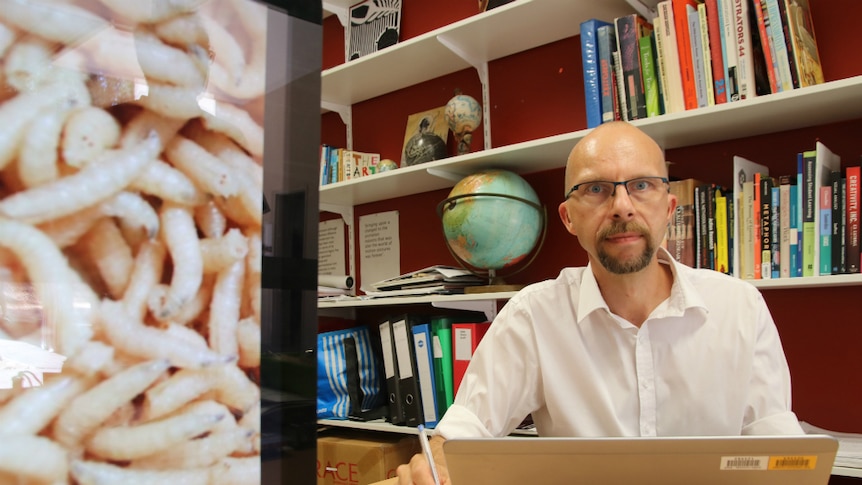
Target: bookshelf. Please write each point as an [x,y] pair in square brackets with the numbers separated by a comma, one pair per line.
[502,37]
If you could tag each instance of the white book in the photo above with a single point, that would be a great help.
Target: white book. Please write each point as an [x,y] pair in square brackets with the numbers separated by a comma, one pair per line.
[743,250]
[728,48]
[826,163]
[668,50]
[744,54]
[707,55]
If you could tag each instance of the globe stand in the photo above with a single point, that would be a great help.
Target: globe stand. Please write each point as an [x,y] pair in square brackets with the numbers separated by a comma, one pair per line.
[496,283]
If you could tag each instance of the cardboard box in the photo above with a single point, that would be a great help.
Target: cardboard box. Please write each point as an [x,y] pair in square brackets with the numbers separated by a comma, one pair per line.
[362,458]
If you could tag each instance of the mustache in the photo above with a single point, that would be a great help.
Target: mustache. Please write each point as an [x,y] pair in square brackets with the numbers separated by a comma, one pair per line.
[621,228]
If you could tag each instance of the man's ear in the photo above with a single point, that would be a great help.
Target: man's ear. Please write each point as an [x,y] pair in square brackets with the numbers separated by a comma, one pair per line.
[564,216]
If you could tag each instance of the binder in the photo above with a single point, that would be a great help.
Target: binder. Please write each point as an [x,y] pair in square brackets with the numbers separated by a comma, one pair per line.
[390,369]
[465,338]
[441,335]
[425,373]
[408,384]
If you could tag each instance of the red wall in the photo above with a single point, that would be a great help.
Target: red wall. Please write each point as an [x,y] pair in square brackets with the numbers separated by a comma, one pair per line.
[539,93]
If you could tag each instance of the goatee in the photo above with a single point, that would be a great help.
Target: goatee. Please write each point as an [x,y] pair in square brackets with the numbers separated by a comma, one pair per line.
[632,265]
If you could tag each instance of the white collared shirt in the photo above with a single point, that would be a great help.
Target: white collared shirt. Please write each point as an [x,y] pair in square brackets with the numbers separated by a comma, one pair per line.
[707,361]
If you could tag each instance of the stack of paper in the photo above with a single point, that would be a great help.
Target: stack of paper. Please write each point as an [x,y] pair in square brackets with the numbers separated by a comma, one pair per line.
[849,445]
[430,280]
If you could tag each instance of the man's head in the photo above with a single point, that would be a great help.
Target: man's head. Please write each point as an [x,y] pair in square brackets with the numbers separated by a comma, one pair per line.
[619,225]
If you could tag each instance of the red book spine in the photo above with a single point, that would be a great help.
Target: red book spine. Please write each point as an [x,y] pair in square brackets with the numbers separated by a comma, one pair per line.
[852,211]
[720,85]
[683,42]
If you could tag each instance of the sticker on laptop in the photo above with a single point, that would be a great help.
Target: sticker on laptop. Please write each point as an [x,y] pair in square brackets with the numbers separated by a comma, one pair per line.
[791,462]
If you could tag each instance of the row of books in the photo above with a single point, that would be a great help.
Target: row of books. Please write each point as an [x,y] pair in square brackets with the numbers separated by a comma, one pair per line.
[424,360]
[696,53]
[804,222]
[339,164]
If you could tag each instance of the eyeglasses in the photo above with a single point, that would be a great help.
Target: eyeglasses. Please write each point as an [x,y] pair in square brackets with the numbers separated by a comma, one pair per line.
[641,189]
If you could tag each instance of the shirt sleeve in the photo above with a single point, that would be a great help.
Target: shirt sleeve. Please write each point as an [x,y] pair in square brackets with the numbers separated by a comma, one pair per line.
[501,385]
[768,410]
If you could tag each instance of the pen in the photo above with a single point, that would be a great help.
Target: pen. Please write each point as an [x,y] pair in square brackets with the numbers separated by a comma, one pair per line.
[426,447]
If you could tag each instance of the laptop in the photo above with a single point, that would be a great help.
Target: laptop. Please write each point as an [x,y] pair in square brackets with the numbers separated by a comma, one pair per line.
[702,460]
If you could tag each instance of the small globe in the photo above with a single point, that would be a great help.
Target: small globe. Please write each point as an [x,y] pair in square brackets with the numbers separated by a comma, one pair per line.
[492,220]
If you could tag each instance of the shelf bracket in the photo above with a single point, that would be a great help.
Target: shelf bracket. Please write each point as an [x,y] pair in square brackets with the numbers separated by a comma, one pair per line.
[481,67]
[488,307]
[346,213]
[446,174]
[346,114]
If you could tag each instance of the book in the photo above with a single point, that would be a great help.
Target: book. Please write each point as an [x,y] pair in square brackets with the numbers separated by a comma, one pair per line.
[683,43]
[680,239]
[726,17]
[590,61]
[776,242]
[425,373]
[622,104]
[780,52]
[809,203]
[766,235]
[646,47]
[744,171]
[803,42]
[390,369]
[606,42]
[325,150]
[744,54]
[666,46]
[465,339]
[853,175]
[697,61]
[722,243]
[784,210]
[768,50]
[826,162]
[706,54]
[441,335]
[716,57]
[839,257]
[825,207]
[788,42]
[795,269]
[405,355]
[629,29]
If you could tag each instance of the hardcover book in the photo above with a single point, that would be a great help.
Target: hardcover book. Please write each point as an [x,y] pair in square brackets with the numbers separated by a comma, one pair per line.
[629,30]
[713,25]
[592,79]
[606,41]
[666,46]
[852,195]
[680,241]
[776,36]
[683,43]
[650,76]
[726,18]
[804,42]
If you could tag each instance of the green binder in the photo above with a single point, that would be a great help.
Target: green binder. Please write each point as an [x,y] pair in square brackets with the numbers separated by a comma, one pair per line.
[441,334]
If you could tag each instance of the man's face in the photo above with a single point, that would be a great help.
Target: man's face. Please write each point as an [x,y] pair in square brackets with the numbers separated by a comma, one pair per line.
[623,232]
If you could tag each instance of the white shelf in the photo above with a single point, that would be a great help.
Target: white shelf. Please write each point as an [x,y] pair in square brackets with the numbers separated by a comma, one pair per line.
[440,300]
[809,282]
[497,33]
[815,105]
[847,471]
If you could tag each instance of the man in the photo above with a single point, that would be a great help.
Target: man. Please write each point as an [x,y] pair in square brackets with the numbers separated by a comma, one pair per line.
[634,344]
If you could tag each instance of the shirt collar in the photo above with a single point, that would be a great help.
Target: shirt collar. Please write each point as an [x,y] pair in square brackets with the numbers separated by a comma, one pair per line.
[683,296]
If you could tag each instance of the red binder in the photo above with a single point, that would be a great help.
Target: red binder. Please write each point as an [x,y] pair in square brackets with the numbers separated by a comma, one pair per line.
[465,338]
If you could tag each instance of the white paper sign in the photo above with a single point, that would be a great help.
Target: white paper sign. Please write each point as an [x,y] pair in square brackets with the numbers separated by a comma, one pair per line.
[379,247]
[330,248]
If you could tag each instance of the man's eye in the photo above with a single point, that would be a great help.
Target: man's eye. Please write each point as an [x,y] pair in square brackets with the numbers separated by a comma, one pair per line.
[594,189]
[641,185]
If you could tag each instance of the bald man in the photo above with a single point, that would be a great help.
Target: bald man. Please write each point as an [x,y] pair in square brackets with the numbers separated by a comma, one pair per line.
[633,344]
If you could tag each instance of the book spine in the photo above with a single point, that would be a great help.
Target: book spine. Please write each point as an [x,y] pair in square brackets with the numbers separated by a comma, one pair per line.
[784,226]
[809,204]
[825,208]
[715,51]
[842,229]
[650,77]
[728,46]
[706,55]
[747,231]
[756,226]
[668,51]
[722,244]
[744,54]
[765,45]
[766,228]
[776,36]
[709,195]
[629,29]
[804,43]
[606,43]
[788,40]
[622,104]
[697,60]
[836,215]
[589,57]
[683,42]
[775,223]
[852,195]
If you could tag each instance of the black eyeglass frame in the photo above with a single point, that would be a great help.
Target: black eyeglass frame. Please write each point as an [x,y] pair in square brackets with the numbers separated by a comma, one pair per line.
[624,183]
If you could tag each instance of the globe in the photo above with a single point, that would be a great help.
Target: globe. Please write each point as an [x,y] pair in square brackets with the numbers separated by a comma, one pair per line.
[492,221]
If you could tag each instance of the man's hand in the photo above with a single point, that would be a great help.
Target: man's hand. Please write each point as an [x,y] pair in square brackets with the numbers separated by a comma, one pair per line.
[418,471]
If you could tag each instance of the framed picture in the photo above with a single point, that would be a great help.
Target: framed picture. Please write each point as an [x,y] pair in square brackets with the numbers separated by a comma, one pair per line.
[373,25]
[425,137]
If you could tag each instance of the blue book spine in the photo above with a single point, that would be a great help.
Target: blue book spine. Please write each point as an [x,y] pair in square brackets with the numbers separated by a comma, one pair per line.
[825,230]
[795,267]
[607,43]
[592,86]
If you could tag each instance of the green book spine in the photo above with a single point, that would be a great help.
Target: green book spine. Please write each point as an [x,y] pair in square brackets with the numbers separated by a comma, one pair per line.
[650,77]
[441,334]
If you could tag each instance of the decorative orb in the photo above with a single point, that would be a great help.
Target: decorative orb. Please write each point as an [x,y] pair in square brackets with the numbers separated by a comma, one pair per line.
[385,165]
[492,220]
[463,115]
[423,148]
